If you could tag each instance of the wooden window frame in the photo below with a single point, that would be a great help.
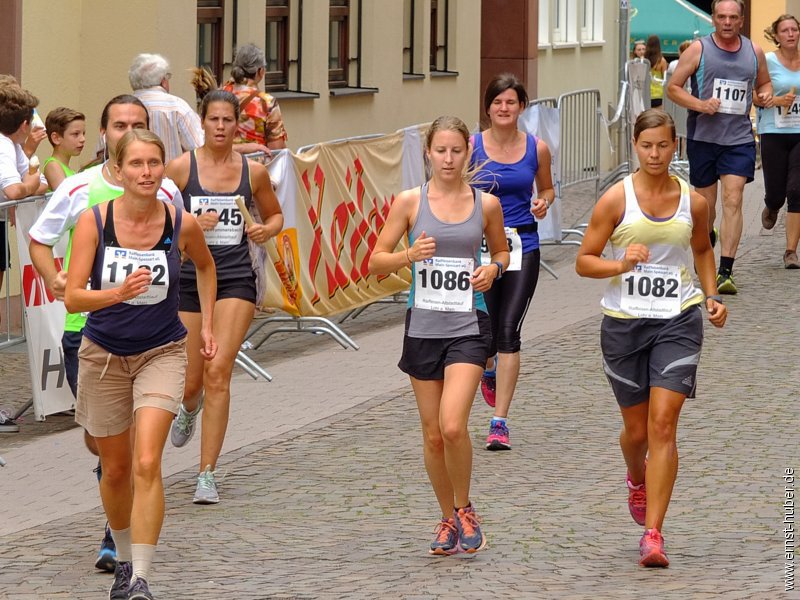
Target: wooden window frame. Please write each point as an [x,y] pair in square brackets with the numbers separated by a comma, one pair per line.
[212,12]
[340,14]
[277,11]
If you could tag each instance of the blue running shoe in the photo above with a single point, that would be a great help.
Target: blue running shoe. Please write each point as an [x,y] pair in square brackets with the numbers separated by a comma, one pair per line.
[470,536]
[445,541]
[498,438]
[107,556]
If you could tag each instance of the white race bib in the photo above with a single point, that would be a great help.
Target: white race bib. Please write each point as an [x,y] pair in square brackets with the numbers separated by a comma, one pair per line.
[788,116]
[651,291]
[732,96]
[118,263]
[514,247]
[229,228]
[444,284]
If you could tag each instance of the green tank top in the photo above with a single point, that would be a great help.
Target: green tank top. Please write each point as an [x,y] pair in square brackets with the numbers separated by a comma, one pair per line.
[67,171]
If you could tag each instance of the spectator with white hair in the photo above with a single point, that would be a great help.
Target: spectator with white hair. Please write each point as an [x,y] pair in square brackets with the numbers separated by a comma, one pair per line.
[171,117]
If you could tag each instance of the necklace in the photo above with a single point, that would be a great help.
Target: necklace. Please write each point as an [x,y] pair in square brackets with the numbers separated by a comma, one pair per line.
[508,147]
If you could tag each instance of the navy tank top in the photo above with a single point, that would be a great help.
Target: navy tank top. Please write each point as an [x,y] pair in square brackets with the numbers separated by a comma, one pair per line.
[151,319]
[227,241]
[729,76]
[513,185]
[442,301]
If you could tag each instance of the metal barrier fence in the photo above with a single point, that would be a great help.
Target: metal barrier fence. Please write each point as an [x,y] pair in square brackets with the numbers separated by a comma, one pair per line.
[580,117]
[6,338]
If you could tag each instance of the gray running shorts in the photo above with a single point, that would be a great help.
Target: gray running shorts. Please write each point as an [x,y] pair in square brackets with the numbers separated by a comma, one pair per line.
[642,353]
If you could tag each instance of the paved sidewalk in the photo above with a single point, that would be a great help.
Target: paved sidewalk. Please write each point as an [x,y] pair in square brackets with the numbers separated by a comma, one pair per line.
[325,494]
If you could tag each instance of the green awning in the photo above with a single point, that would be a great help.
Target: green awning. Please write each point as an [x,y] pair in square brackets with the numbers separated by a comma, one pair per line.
[671,20]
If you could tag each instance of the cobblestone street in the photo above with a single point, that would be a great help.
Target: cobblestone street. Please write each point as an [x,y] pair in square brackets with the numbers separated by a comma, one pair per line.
[341,506]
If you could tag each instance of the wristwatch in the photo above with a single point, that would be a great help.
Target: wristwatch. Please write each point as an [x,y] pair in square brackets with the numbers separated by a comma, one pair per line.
[715,298]
[499,269]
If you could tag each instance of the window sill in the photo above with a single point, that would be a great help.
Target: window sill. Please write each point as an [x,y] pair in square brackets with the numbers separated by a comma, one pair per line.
[564,45]
[444,74]
[294,95]
[593,43]
[544,46]
[353,91]
[413,76]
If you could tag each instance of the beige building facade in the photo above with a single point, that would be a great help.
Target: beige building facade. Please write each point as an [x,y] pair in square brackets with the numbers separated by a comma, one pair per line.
[76,53]
[339,68]
[764,12]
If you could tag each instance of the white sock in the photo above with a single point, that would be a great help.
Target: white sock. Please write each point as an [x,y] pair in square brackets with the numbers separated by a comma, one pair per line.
[502,420]
[122,540]
[142,559]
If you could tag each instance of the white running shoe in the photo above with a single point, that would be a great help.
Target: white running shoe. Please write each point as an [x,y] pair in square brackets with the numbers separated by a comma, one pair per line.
[182,428]
[206,492]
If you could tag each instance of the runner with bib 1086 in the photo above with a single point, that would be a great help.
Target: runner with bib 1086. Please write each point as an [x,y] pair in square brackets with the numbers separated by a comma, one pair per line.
[448,334]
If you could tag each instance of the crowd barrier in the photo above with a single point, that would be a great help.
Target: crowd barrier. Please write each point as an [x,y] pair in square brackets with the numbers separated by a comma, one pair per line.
[335,198]
[8,317]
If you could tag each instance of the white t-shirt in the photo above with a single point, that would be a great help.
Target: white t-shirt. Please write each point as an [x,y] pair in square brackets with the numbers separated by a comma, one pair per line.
[13,164]
[71,198]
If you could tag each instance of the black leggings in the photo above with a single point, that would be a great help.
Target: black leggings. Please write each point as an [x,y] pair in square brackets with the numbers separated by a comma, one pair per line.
[508,301]
[780,160]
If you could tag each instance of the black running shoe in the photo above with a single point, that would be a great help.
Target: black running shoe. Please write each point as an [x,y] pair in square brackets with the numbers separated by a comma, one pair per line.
[139,590]
[122,581]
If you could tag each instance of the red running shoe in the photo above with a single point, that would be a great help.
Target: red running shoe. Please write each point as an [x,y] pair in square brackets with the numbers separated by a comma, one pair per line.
[488,387]
[651,550]
[637,500]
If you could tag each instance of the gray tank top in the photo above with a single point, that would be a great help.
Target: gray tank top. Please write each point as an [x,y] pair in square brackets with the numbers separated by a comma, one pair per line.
[453,241]
[729,76]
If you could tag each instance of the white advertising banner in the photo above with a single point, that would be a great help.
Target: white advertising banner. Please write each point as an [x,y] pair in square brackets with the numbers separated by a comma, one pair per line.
[44,324]
[544,122]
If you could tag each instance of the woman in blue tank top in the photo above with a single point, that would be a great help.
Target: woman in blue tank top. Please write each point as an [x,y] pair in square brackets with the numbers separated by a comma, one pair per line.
[210,179]
[514,166]
[133,353]
[447,328]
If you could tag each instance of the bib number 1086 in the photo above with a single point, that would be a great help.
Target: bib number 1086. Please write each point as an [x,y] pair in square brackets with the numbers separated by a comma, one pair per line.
[447,280]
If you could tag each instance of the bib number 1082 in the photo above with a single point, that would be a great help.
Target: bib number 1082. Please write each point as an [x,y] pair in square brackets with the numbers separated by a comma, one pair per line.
[447,280]
[657,287]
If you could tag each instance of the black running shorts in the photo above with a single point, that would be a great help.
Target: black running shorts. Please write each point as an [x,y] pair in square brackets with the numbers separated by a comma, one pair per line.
[642,353]
[426,358]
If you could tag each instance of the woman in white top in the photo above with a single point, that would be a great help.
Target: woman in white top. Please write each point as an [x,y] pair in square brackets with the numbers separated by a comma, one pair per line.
[652,331]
